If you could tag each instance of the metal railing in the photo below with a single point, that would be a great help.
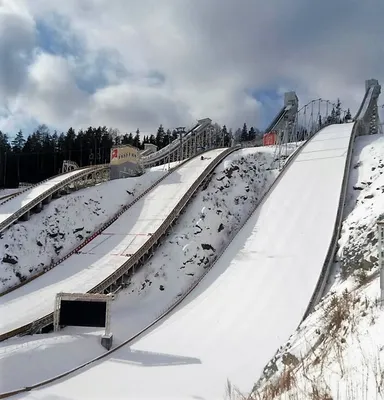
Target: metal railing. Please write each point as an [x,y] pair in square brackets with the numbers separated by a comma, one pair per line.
[29,187]
[135,259]
[328,263]
[21,211]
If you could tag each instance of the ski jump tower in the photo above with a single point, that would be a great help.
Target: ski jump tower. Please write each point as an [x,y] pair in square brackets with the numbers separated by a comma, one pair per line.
[286,115]
[368,114]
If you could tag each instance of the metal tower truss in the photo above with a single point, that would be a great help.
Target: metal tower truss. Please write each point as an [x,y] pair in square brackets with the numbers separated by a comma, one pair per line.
[189,143]
[368,114]
[307,121]
[93,178]
[68,166]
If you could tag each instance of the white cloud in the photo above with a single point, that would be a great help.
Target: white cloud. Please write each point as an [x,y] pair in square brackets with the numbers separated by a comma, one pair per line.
[16,46]
[209,53]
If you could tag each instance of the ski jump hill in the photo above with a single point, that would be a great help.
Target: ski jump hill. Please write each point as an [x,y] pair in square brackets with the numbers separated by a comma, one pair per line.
[248,303]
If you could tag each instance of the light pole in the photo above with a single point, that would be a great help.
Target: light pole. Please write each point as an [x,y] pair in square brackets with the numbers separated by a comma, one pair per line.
[169,150]
[380,228]
[180,131]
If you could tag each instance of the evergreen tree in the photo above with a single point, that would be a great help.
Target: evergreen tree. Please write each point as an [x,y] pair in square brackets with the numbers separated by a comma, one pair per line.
[348,116]
[230,137]
[338,111]
[69,142]
[136,139]
[18,142]
[333,116]
[130,138]
[167,137]
[237,135]
[152,139]
[5,149]
[117,141]
[252,134]
[160,137]
[244,133]
[225,134]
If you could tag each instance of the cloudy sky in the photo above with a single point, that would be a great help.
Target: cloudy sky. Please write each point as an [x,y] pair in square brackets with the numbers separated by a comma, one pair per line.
[135,64]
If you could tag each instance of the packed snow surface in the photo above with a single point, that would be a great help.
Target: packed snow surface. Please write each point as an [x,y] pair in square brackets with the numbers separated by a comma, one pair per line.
[247,305]
[5,193]
[104,254]
[338,351]
[210,221]
[63,224]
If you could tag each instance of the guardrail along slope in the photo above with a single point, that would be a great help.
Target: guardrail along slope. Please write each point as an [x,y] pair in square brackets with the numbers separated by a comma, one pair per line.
[12,209]
[120,249]
[364,108]
[29,187]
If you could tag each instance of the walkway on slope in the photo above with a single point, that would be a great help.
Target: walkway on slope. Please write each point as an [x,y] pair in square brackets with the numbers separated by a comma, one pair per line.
[247,305]
[106,253]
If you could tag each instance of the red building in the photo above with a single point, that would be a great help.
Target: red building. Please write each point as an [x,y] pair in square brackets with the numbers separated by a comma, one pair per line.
[269,139]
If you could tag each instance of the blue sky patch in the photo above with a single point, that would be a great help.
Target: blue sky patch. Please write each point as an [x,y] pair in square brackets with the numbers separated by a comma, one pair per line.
[57,38]
[272,102]
[105,69]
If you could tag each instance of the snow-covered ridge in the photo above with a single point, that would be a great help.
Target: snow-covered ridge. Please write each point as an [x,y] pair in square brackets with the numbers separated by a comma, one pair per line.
[338,351]
[25,248]
[204,228]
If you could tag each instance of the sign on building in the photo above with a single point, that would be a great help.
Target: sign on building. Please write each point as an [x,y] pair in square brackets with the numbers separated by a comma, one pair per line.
[125,162]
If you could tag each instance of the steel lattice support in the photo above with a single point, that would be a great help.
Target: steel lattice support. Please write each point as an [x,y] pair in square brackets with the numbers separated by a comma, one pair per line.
[307,121]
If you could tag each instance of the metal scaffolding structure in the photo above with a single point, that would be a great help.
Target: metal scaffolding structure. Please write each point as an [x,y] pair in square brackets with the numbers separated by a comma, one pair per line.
[309,119]
[203,136]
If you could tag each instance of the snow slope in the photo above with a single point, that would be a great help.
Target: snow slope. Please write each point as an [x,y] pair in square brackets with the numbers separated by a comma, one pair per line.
[27,247]
[104,254]
[339,349]
[227,200]
[5,193]
[246,306]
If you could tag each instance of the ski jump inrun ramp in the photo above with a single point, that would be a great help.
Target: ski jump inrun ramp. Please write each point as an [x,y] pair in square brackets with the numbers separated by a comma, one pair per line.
[254,297]
[16,206]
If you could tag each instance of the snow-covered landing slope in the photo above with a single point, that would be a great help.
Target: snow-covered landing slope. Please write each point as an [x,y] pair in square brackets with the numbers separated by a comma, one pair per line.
[339,349]
[210,220]
[249,303]
[10,207]
[106,253]
[27,247]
